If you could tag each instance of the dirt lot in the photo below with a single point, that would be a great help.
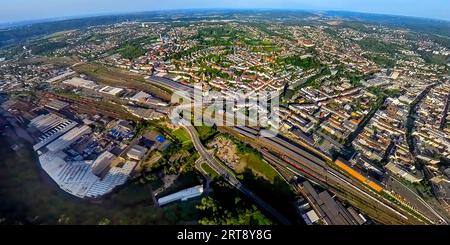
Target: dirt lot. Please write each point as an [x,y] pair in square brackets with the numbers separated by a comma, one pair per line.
[227,152]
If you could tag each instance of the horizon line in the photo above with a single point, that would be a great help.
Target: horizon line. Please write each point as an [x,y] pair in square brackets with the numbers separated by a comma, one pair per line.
[17,23]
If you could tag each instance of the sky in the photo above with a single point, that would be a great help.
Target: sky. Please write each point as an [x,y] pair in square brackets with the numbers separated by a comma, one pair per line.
[19,10]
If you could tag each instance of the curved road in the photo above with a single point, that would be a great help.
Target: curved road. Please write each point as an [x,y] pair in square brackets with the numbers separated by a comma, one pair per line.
[418,202]
[229,177]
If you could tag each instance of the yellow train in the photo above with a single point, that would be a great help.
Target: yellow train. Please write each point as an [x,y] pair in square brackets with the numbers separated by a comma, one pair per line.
[342,164]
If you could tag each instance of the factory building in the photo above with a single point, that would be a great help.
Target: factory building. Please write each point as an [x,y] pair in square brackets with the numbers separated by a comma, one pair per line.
[46,122]
[56,105]
[80,83]
[102,162]
[46,128]
[137,152]
[69,138]
[111,90]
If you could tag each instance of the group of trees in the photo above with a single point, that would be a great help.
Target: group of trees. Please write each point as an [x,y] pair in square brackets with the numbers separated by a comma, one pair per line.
[431,58]
[355,77]
[382,53]
[47,47]
[316,80]
[206,133]
[217,36]
[210,72]
[131,51]
[384,93]
[305,63]
[225,207]
[383,60]
[374,45]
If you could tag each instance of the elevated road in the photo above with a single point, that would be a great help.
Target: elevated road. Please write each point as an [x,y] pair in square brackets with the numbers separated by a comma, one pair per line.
[229,177]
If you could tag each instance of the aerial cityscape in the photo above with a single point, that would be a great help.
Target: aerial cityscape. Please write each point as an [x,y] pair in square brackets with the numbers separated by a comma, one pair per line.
[225,117]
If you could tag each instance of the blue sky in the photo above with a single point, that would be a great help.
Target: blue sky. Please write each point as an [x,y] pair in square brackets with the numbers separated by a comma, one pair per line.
[18,10]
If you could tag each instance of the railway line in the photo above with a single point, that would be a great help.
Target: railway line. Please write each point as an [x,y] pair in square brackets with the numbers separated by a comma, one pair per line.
[315,168]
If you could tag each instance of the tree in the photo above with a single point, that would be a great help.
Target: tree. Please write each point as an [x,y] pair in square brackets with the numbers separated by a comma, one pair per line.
[132,52]
[104,221]
[223,209]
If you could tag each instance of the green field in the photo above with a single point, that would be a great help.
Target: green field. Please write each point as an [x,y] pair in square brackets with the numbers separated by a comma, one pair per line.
[131,52]
[211,173]
[259,166]
[57,36]
[205,132]
[183,136]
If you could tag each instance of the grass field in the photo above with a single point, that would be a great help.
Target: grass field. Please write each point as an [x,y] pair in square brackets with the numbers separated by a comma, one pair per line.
[65,61]
[183,137]
[205,132]
[57,36]
[212,174]
[254,162]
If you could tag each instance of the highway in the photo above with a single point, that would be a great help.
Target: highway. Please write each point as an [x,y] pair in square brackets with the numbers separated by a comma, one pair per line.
[229,177]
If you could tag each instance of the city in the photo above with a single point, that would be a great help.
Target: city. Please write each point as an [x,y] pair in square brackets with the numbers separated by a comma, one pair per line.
[355,130]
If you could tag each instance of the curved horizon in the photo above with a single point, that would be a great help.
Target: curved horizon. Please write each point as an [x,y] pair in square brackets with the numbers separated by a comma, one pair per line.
[12,12]
[94,15]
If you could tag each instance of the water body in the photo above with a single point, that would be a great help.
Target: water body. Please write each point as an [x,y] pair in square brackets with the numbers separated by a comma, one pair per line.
[29,196]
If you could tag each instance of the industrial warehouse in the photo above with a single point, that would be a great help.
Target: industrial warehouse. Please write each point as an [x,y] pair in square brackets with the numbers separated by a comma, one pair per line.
[80,160]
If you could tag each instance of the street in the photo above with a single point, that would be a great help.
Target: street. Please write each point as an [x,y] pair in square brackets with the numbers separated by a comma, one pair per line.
[229,177]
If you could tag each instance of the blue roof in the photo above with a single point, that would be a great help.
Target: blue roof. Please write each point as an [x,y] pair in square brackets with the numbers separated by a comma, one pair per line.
[160,139]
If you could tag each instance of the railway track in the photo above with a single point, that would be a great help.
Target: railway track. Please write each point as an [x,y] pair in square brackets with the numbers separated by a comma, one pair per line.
[313,167]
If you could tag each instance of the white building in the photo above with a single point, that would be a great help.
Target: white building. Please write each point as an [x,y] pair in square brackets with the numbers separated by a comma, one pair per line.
[69,138]
[102,162]
[77,178]
[182,195]
[137,152]
[80,83]
[111,90]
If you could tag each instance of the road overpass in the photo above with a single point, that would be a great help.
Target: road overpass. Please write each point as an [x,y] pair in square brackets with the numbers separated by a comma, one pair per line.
[229,177]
